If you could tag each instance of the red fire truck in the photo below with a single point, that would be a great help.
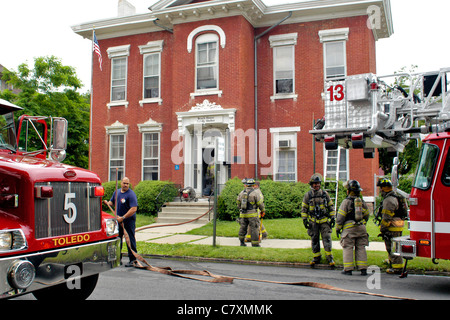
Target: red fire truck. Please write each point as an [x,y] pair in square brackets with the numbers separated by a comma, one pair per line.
[54,238]
[368,112]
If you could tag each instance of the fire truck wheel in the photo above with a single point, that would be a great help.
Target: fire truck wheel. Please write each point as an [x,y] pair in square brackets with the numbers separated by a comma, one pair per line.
[62,291]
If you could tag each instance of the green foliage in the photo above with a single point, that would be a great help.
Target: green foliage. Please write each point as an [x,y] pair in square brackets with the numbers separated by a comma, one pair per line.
[50,89]
[226,203]
[147,191]
[281,200]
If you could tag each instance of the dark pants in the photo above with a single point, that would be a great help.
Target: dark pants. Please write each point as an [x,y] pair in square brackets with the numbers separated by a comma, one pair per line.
[130,227]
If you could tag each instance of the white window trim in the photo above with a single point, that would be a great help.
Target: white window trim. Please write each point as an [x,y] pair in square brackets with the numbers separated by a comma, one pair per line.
[150,126]
[208,37]
[152,47]
[119,52]
[292,133]
[117,129]
[219,30]
[288,39]
[334,35]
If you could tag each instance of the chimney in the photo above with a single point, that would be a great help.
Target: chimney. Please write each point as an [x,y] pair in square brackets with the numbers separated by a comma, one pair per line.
[125,8]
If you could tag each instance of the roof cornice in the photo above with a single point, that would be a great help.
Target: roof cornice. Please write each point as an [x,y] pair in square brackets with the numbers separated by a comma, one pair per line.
[255,11]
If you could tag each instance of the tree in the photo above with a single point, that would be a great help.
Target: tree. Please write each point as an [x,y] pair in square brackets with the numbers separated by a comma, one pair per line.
[409,157]
[50,89]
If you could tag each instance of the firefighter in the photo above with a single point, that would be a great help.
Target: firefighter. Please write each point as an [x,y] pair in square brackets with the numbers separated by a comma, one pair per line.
[249,201]
[351,222]
[319,218]
[391,225]
[263,231]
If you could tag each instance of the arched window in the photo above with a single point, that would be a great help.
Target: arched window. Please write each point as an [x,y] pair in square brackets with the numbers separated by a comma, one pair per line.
[207,62]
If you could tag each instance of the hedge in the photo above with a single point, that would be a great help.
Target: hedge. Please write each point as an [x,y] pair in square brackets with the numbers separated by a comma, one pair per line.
[146,193]
[281,199]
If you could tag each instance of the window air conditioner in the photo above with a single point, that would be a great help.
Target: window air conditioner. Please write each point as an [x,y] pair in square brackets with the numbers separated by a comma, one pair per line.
[284,143]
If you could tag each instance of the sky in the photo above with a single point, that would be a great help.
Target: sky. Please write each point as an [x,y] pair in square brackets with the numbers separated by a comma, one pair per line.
[35,28]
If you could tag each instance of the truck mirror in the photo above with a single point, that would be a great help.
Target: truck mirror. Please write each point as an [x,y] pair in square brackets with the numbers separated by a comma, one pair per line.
[59,134]
[394,173]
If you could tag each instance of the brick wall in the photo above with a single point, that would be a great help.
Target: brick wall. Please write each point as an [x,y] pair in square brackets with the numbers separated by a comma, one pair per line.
[236,73]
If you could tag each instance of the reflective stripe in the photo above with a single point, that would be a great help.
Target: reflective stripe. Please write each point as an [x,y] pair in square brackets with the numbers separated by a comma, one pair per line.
[249,215]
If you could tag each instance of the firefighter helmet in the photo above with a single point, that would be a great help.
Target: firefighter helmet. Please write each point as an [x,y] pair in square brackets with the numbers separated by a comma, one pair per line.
[249,182]
[353,185]
[384,183]
[315,178]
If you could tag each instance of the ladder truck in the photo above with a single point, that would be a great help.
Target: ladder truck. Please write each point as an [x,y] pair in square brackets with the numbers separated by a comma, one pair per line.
[370,112]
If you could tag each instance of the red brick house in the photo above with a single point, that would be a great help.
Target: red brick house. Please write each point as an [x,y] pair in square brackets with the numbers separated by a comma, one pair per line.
[184,73]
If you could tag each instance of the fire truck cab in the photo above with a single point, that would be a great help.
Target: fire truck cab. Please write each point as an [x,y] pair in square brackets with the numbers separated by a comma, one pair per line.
[429,216]
[54,237]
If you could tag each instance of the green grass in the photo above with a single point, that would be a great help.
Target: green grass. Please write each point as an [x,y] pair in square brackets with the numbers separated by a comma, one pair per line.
[277,229]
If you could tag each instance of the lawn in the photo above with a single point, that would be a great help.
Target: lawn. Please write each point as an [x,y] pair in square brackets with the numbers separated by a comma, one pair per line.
[277,229]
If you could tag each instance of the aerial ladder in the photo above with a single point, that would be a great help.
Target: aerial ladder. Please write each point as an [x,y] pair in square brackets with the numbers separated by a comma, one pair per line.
[371,112]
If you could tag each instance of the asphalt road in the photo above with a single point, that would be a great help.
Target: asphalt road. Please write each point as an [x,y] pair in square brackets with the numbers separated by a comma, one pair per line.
[134,284]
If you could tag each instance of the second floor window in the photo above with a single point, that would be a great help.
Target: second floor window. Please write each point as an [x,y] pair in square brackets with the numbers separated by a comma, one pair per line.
[119,79]
[207,62]
[152,76]
[335,66]
[284,69]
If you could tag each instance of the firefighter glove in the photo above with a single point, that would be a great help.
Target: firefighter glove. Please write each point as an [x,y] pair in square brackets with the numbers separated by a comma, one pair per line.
[306,223]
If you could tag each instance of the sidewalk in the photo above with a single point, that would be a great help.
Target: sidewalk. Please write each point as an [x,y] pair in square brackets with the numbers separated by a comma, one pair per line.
[176,234]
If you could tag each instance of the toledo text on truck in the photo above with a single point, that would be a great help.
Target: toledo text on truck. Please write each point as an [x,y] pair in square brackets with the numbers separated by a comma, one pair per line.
[368,112]
[54,237]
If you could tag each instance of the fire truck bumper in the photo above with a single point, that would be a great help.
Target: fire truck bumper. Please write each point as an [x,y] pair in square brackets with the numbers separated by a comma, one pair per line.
[405,247]
[33,271]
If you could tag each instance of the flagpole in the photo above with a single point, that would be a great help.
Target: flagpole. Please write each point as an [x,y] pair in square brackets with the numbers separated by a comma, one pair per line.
[92,97]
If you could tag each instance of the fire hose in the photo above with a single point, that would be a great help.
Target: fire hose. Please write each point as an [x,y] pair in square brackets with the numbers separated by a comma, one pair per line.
[141,263]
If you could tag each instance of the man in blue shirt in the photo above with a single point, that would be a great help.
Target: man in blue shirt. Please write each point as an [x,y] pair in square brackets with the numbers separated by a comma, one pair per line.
[126,215]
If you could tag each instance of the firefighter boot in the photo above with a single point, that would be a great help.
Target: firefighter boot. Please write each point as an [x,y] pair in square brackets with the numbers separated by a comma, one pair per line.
[315,260]
[242,240]
[331,262]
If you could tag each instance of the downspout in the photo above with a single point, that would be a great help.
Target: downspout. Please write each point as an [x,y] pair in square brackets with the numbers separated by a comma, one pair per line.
[256,88]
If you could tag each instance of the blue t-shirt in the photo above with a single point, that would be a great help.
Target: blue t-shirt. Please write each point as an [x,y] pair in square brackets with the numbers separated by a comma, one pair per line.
[125,201]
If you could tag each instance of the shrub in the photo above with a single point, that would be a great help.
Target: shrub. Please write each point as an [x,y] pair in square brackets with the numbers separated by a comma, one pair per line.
[281,199]
[147,191]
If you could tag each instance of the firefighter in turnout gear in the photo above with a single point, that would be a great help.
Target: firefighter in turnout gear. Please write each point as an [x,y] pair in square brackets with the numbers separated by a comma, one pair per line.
[351,222]
[392,223]
[249,201]
[319,218]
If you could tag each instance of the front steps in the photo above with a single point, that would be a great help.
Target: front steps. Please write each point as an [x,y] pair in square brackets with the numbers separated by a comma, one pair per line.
[179,212]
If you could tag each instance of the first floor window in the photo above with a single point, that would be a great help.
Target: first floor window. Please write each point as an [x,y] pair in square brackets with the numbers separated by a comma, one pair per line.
[151,156]
[116,157]
[286,165]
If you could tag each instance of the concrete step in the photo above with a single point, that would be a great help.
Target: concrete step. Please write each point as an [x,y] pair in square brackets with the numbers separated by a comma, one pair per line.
[179,212]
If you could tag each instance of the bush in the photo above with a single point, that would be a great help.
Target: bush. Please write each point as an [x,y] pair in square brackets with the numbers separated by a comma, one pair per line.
[147,191]
[281,199]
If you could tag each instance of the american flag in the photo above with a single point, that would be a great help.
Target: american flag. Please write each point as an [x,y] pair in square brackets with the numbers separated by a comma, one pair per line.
[97,51]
